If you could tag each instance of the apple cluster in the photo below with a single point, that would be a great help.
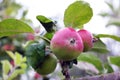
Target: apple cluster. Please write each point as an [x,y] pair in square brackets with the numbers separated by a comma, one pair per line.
[67,44]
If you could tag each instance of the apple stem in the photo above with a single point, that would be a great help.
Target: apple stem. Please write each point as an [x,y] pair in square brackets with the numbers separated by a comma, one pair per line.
[65,68]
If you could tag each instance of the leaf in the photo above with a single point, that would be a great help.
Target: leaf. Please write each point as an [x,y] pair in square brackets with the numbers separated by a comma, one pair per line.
[16,73]
[18,58]
[10,27]
[104,14]
[6,66]
[90,58]
[24,59]
[114,60]
[113,21]
[77,14]
[47,23]
[49,35]
[35,54]
[23,65]
[10,54]
[108,67]
[99,47]
[109,36]
[110,5]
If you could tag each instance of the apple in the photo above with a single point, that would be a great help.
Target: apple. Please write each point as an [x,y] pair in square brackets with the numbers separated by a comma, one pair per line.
[87,39]
[37,76]
[66,44]
[37,58]
[8,47]
[48,65]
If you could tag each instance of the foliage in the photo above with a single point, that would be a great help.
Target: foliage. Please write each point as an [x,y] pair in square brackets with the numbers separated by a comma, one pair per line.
[14,68]
[77,14]
[113,14]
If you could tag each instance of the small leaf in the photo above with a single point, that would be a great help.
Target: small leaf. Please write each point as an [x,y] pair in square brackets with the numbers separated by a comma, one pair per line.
[49,35]
[43,19]
[18,58]
[10,27]
[90,58]
[114,60]
[77,14]
[6,66]
[108,67]
[11,54]
[99,47]
[47,23]
[16,73]
[109,36]
[24,59]
[23,66]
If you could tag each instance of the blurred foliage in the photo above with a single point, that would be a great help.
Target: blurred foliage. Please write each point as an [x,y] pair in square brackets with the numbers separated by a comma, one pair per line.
[113,17]
[9,9]
[15,67]
[113,14]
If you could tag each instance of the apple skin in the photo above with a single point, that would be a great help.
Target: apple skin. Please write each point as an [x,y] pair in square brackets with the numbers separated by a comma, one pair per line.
[87,39]
[66,44]
[48,65]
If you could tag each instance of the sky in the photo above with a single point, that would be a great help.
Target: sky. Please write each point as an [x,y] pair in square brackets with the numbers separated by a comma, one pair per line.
[53,8]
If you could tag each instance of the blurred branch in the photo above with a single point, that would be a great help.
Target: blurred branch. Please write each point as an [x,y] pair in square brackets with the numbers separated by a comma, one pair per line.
[110,76]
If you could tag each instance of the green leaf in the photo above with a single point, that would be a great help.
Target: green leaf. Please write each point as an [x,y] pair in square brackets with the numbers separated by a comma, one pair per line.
[23,66]
[108,67]
[35,54]
[109,36]
[90,58]
[99,47]
[24,59]
[77,14]
[43,19]
[49,35]
[47,23]
[114,60]
[10,27]
[6,67]
[18,58]
[10,54]
[16,73]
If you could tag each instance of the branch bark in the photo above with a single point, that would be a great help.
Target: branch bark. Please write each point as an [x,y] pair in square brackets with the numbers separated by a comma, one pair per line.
[110,76]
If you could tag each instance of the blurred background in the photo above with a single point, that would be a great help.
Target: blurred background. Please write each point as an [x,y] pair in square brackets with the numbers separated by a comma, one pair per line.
[105,20]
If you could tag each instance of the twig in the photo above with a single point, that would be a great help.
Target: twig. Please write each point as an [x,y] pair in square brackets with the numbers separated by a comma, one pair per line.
[65,68]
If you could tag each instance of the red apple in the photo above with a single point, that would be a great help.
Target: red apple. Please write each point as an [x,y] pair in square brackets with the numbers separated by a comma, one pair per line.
[37,75]
[87,39]
[8,47]
[66,44]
